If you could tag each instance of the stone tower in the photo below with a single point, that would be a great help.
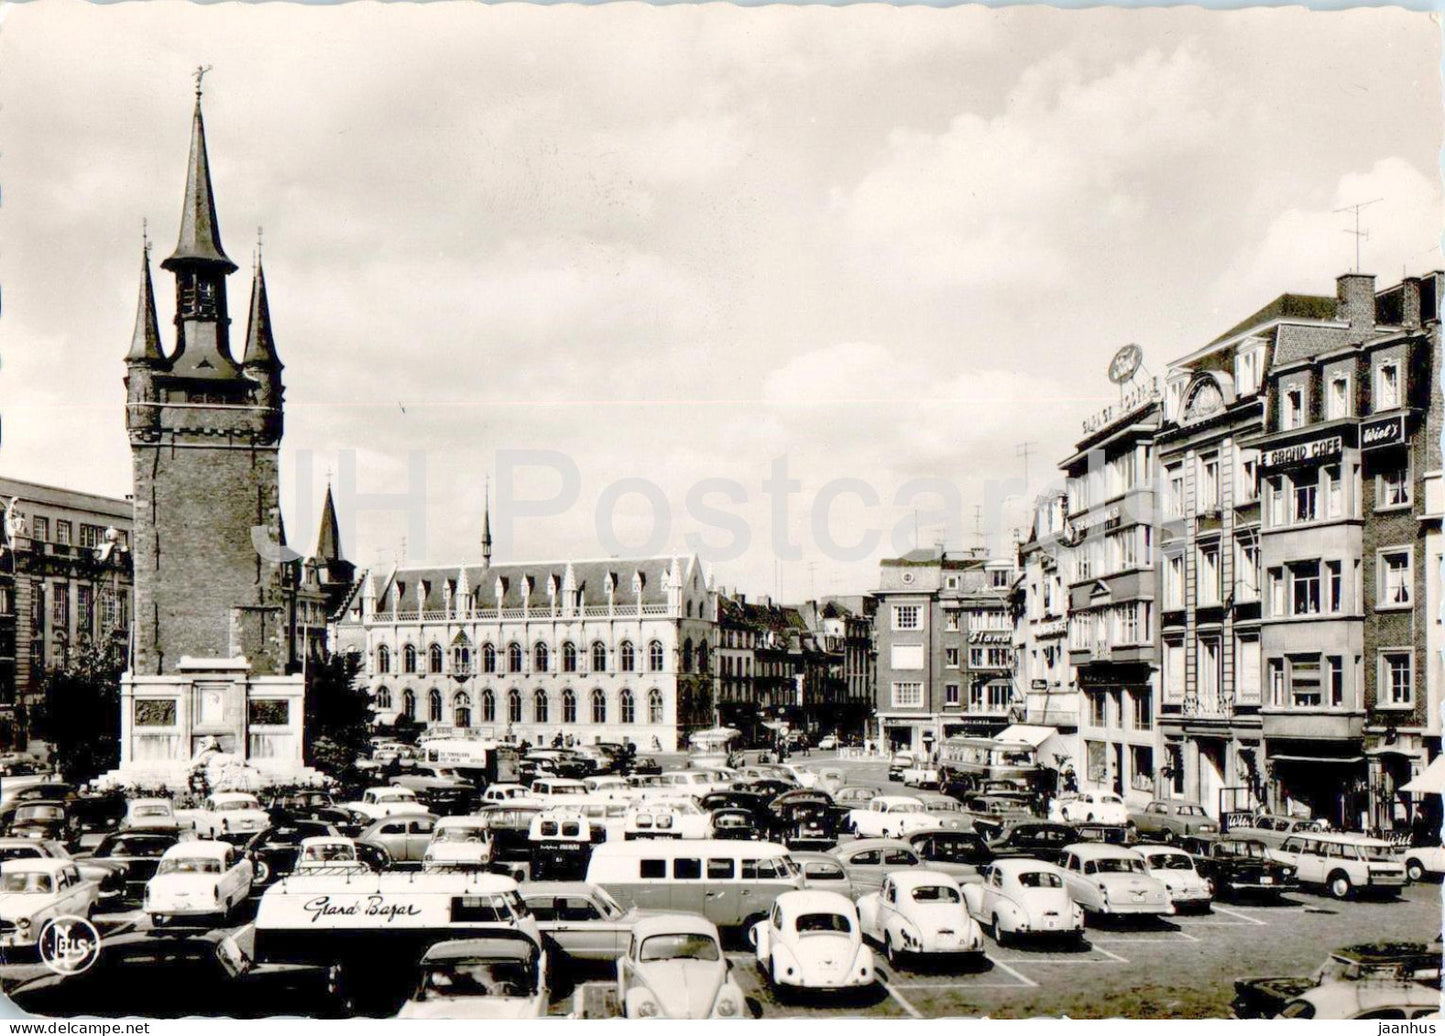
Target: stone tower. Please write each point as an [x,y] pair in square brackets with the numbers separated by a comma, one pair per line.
[215,624]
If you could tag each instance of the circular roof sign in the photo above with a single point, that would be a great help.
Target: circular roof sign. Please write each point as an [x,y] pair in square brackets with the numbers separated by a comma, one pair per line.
[1125,362]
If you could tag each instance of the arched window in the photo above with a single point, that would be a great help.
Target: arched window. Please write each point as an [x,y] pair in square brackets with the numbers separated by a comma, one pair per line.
[687,655]
[569,706]
[462,709]
[383,699]
[569,657]
[654,706]
[539,706]
[383,659]
[489,706]
[541,658]
[655,656]
[702,656]
[514,657]
[408,659]
[689,609]
[627,706]
[599,657]
[434,706]
[514,706]
[408,704]
[626,657]
[489,659]
[434,658]
[599,706]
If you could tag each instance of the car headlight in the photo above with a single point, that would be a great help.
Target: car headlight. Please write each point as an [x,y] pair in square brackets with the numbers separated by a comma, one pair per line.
[647,1009]
[727,1007]
[23,924]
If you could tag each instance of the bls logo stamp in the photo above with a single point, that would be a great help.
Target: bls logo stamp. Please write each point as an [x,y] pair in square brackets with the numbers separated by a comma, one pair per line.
[68,945]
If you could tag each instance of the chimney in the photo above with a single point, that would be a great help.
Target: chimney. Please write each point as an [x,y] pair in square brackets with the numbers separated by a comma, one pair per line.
[1410,303]
[1356,294]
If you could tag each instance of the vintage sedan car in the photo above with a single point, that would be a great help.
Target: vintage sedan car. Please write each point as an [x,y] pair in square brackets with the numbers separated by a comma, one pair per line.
[503,975]
[993,811]
[1109,879]
[812,940]
[828,743]
[339,854]
[869,860]
[557,791]
[674,967]
[1273,830]
[1374,962]
[41,790]
[644,766]
[136,853]
[1241,867]
[36,890]
[665,818]
[1424,862]
[441,789]
[1024,897]
[42,819]
[1343,864]
[581,921]
[510,825]
[1169,821]
[1089,806]
[1187,888]
[823,871]
[947,809]
[405,836]
[226,813]
[386,801]
[1372,1000]
[900,762]
[609,785]
[855,796]
[919,913]
[735,824]
[274,851]
[1040,839]
[150,815]
[805,820]
[108,875]
[959,854]
[919,775]
[197,879]
[891,816]
[505,792]
[459,843]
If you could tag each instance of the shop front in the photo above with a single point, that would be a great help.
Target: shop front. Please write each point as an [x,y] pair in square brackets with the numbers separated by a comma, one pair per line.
[1327,780]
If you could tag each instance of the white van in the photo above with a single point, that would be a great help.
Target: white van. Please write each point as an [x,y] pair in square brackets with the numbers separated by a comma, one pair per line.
[730,883]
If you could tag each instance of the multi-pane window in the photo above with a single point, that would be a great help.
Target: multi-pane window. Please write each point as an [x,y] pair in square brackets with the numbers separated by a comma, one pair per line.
[1304,681]
[1334,586]
[408,659]
[1248,476]
[434,659]
[1174,581]
[599,706]
[540,707]
[60,609]
[1099,710]
[514,707]
[1335,668]
[907,694]
[990,658]
[1303,502]
[1209,666]
[599,657]
[1396,578]
[1337,398]
[62,532]
[1142,704]
[1206,493]
[1392,487]
[950,694]
[654,656]
[40,528]
[1246,569]
[1174,493]
[950,657]
[1334,491]
[950,622]
[1396,678]
[569,657]
[1207,588]
[1387,386]
[907,617]
[85,606]
[91,535]
[1294,407]
[1304,583]
[654,706]
[1246,668]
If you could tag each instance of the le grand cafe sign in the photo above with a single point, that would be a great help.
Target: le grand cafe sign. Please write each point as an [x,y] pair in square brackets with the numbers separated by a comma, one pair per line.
[1387,431]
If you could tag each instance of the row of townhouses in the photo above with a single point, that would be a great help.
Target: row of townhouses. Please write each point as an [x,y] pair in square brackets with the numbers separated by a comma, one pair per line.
[1236,598]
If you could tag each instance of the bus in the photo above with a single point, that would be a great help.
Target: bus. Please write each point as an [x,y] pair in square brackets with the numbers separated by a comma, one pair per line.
[976,764]
[483,762]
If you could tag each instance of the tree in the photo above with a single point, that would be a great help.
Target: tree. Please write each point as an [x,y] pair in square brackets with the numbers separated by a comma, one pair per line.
[338,713]
[79,713]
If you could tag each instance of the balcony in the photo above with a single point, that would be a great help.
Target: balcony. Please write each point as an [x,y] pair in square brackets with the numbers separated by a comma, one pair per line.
[1321,724]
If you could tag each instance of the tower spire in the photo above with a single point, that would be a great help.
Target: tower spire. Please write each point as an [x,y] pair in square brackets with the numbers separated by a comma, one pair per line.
[260,346]
[200,238]
[487,526]
[328,543]
[145,344]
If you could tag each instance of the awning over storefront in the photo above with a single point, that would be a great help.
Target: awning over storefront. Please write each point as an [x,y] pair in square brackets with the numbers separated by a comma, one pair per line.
[1033,736]
[1430,782]
[1340,760]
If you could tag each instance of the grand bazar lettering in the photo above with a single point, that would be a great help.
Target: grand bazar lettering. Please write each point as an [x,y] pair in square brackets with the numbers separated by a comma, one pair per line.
[369,906]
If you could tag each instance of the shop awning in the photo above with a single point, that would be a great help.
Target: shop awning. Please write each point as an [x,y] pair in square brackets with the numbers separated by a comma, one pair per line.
[1031,735]
[1340,760]
[1431,780]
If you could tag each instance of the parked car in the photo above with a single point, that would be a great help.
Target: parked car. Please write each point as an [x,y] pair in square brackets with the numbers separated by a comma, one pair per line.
[503,975]
[1024,897]
[991,812]
[607,784]
[869,860]
[557,762]
[108,875]
[459,843]
[959,853]
[823,871]
[812,940]
[97,810]
[562,839]
[197,879]
[505,792]
[1097,831]
[137,853]
[34,891]
[1366,1000]
[1377,962]
[40,790]
[385,801]
[1273,831]
[1343,863]
[226,813]
[1424,862]
[274,851]
[854,796]
[919,913]
[948,810]
[900,762]
[42,819]
[733,824]
[558,790]
[1239,867]
[308,804]
[1109,879]
[674,967]
[404,836]
[1089,806]
[580,920]
[891,816]
[510,826]
[1168,820]
[828,743]
[150,815]
[1187,888]
[1041,839]
[644,765]
[665,818]
[805,820]
[919,775]
[440,789]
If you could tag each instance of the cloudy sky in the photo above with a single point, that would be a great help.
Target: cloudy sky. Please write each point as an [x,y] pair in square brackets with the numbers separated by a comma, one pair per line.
[688,246]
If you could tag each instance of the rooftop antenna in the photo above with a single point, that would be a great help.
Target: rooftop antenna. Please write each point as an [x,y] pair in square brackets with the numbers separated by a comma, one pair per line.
[978,523]
[1023,450]
[145,237]
[1359,235]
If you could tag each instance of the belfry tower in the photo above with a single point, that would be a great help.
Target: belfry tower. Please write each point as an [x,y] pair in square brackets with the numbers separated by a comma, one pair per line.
[215,634]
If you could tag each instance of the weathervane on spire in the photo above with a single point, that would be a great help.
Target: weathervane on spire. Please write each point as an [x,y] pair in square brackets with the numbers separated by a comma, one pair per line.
[258,248]
[198,75]
[145,237]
